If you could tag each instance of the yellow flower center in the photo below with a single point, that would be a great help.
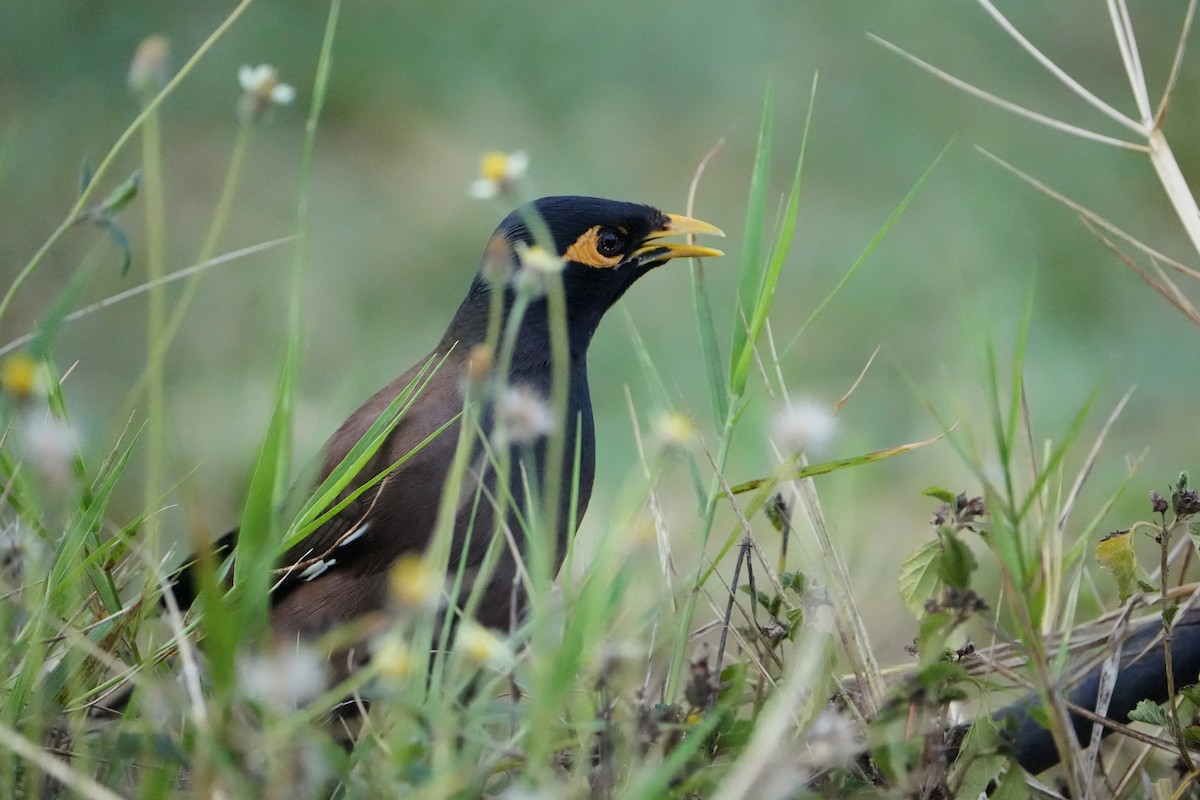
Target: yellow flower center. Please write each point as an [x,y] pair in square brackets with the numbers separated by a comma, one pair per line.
[494,166]
[19,375]
[412,582]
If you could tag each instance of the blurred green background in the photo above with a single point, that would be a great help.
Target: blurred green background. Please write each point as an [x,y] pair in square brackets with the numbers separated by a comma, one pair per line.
[622,99]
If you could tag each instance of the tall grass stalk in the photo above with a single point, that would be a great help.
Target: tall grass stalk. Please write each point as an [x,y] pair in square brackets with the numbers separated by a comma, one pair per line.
[106,163]
[156,257]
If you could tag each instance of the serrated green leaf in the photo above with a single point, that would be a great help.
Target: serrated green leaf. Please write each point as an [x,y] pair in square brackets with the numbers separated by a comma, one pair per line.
[1150,713]
[978,761]
[919,577]
[957,562]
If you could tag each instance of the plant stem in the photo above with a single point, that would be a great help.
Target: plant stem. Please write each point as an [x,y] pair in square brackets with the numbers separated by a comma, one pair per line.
[155,201]
[1164,542]
[110,157]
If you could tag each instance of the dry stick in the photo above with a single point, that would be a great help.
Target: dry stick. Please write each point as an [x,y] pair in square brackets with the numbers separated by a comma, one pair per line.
[1164,541]
[662,539]
[1072,84]
[1167,287]
[145,287]
[1091,216]
[1009,106]
[1161,114]
[743,555]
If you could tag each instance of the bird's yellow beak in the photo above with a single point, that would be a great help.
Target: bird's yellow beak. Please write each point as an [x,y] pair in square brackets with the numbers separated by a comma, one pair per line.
[679,225]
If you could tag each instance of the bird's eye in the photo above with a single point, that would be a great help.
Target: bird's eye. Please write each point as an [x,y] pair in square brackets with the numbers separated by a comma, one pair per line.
[610,241]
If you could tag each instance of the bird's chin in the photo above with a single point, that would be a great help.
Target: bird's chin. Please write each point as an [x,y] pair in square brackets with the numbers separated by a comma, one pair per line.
[644,262]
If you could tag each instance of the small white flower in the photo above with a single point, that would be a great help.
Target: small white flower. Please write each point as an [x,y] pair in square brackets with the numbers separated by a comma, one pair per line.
[525,415]
[23,377]
[537,267]
[805,425]
[674,431]
[832,740]
[393,657]
[414,583]
[262,89]
[538,259]
[482,646]
[499,173]
[284,678]
[50,445]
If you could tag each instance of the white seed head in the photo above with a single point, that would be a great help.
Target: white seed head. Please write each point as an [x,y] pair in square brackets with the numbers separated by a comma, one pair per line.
[832,740]
[525,415]
[285,678]
[804,425]
[50,444]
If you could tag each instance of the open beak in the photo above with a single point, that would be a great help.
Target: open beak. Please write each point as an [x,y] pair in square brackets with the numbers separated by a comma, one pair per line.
[678,225]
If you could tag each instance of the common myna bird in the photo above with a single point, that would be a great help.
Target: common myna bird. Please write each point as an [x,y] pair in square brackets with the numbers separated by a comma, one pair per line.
[341,569]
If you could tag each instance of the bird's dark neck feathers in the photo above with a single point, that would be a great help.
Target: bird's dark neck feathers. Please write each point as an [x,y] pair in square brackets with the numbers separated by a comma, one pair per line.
[470,323]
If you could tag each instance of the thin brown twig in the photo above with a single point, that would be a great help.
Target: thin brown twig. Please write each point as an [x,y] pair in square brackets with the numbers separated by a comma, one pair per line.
[1176,65]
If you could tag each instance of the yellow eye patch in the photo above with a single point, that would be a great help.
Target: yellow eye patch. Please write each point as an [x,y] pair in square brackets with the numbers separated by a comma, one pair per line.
[586,251]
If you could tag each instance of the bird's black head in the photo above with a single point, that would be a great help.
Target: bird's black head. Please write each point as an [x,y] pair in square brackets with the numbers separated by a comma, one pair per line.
[605,245]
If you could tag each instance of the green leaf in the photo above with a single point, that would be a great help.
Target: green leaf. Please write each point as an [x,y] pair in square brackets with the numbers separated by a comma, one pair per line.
[121,196]
[1192,694]
[733,734]
[935,676]
[120,240]
[957,561]
[1012,786]
[1115,554]
[945,495]
[919,576]
[979,761]
[86,173]
[931,638]
[1150,713]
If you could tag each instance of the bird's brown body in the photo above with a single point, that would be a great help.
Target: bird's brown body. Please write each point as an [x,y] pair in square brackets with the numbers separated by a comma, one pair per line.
[340,571]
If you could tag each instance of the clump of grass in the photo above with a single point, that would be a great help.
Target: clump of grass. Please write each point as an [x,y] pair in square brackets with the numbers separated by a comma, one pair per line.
[617,684]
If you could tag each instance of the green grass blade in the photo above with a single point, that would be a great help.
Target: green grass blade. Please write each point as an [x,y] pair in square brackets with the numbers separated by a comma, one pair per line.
[876,240]
[358,456]
[756,212]
[710,349]
[770,277]
[255,552]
